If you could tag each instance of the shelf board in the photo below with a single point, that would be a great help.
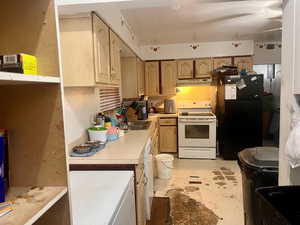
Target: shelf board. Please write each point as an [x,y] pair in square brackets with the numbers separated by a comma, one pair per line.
[29,204]
[7,78]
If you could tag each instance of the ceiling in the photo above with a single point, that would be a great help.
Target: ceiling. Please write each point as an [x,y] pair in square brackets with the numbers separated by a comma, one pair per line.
[183,21]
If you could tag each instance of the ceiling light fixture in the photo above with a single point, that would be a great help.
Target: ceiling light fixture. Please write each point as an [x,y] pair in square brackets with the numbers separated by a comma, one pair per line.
[236,44]
[155,49]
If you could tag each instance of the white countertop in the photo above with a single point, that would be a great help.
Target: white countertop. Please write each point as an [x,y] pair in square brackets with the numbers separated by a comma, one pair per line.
[126,150]
[96,195]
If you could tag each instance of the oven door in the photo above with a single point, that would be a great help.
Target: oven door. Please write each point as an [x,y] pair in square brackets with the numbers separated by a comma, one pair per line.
[197,133]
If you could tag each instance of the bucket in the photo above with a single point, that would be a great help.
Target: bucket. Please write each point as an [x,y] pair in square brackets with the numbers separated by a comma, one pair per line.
[164,164]
[98,135]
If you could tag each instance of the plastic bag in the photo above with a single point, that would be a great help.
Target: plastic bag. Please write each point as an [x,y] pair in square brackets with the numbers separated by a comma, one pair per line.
[292,147]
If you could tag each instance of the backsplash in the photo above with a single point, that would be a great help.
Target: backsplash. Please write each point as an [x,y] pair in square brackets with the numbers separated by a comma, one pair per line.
[193,93]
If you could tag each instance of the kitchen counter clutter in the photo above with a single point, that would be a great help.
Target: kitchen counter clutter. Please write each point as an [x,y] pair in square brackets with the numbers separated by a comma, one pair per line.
[126,150]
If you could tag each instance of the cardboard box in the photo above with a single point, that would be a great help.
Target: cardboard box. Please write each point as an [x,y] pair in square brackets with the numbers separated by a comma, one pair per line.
[19,63]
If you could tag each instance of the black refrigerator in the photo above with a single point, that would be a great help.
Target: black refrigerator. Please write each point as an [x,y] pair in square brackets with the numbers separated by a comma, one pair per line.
[239,112]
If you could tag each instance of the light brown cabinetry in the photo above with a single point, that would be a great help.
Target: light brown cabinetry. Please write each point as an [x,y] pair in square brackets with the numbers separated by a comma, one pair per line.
[90,51]
[224,61]
[168,135]
[141,76]
[185,69]
[115,58]
[168,77]
[133,81]
[140,200]
[244,62]
[152,78]
[203,68]
[101,50]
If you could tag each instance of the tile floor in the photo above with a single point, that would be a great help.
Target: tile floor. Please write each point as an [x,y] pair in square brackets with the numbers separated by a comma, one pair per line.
[217,185]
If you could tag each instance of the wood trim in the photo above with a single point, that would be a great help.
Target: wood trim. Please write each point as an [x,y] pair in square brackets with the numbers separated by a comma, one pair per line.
[88,167]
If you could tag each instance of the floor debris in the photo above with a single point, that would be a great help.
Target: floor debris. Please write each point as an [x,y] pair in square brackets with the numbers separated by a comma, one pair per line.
[187,211]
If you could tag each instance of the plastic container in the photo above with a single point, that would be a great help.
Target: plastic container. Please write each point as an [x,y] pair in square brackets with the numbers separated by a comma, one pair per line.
[164,164]
[279,205]
[259,167]
[98,134]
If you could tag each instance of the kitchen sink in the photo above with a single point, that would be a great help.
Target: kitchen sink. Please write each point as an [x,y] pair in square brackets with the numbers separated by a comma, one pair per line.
[139,125]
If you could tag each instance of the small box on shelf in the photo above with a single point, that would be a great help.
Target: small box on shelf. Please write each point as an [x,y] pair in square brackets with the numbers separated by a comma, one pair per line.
[19,63]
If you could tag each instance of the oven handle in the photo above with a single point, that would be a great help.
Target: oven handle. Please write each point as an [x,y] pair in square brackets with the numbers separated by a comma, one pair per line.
[196,121]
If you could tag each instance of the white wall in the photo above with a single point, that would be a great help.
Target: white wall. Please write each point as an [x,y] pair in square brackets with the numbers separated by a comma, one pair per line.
[80,107]
[289,106]
[265,56]
[110,13]
[206,49]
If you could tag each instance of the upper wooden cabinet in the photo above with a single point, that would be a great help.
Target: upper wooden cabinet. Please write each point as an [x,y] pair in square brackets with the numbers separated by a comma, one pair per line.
[168,77]
[219,62]
[115,58]
[101,50]
[203,67]
[152,78]
[185,69]
[90,52]
[141,77]
[244,62]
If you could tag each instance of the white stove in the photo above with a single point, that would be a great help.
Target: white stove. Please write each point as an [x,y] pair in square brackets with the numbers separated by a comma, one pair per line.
[196,130]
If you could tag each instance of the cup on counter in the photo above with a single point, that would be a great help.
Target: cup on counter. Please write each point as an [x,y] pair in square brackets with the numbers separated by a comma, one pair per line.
[98,134]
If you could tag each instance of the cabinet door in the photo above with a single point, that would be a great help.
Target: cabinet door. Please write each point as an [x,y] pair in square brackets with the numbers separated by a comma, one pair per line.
[152,78]
[168,77]
[219,62]
[140,201]
[168,139]
[244,63]
[185,69]
[115,59]
[101,51]
[203,68]
[126,213]
[141,76]
[77,51]
[129,77]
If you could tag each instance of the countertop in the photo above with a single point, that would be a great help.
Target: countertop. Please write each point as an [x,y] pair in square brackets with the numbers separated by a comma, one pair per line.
[126,150]
[164,115]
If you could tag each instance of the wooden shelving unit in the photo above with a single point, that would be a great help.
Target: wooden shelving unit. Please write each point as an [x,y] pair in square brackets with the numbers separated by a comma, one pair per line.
[32,112]
[30,203]
[15,78]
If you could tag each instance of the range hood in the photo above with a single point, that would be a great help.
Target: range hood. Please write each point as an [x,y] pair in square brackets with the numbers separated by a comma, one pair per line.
[194,82]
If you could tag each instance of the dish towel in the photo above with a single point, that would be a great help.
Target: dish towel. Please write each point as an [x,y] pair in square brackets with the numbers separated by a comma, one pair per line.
[292,147]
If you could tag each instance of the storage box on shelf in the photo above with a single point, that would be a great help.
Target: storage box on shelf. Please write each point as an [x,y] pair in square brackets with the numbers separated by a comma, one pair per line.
[31,111]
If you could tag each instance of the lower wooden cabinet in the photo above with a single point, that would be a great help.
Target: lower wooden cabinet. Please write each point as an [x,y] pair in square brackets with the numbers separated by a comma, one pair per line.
[168,135]
[140,200]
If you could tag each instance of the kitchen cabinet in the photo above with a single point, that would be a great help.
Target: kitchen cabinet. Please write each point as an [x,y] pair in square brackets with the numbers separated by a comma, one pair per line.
[185,69]
[85,49]
[152,78]
[141,77]
[140,200]
[101,50]
[168,135]
[168,77]
[244,62]
[203,68]
[222,61]
[133,79]
[115,59]
[94,191]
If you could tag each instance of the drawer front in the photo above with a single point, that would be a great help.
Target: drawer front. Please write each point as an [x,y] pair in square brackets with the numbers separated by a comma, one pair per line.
[168,122]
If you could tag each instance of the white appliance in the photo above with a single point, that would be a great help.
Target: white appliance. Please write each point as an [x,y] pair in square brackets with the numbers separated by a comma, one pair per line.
[102,198]
[197,128]
[149,190]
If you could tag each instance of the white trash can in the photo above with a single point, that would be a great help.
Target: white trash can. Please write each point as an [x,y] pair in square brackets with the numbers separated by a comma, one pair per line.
[164,164]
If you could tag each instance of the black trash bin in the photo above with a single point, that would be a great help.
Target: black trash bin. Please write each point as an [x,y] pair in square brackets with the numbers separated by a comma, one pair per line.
[279,205]
[259,167]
